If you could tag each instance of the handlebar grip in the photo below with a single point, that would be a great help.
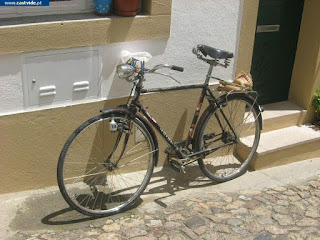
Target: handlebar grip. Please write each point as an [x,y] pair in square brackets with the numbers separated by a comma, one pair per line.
[176,68]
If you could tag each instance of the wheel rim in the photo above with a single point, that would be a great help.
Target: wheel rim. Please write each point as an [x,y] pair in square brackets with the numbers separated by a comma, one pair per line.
[89,181]
[230,161]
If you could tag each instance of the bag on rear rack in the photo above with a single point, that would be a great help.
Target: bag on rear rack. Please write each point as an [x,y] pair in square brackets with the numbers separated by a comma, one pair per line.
[242,82]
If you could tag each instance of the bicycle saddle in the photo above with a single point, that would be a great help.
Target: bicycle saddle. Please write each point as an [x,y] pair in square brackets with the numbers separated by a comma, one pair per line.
[213,52]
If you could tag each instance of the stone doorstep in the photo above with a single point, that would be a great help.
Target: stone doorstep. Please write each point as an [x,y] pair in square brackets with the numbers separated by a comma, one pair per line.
[281,115]
[285,146]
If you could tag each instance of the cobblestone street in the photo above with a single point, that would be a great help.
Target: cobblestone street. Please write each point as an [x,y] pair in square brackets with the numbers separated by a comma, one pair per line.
[289,211]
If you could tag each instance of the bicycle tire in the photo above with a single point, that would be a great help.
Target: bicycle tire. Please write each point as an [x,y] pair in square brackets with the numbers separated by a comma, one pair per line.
[230,161]
[89,182]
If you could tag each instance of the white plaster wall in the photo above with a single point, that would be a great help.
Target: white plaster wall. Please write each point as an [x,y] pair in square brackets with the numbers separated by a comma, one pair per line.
[11,95]
[211,22]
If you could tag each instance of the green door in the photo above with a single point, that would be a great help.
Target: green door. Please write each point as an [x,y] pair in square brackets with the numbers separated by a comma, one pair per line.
[275,45]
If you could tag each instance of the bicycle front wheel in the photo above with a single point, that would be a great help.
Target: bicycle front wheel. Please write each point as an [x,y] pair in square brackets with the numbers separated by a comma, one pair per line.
[233,130]
[102,172]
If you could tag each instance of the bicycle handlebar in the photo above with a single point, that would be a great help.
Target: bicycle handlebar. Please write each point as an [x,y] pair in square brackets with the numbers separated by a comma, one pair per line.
[176,68]
[172,67]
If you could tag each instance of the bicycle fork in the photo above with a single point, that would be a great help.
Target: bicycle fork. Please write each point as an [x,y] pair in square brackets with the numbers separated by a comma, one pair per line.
[114,127]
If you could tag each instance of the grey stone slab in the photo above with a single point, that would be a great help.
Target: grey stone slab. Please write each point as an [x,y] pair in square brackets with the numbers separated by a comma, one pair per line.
[194,221]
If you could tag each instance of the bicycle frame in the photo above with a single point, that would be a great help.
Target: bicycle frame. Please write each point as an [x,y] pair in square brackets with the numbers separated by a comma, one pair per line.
[206,92]
[107,162]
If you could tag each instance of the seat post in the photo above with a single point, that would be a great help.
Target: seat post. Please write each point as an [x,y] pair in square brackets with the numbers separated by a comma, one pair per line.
[209,73]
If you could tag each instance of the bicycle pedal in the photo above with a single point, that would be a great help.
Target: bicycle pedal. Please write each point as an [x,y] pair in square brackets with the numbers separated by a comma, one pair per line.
[176,166]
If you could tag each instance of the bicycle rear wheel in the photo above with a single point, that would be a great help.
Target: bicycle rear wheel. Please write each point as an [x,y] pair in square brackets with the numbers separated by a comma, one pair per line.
[236,138]
[100,172]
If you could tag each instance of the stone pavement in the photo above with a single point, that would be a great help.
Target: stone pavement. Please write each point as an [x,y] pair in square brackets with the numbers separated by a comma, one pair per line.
[279,203]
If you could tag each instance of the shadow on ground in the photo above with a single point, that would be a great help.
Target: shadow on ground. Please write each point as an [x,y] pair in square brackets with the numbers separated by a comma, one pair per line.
[167,182]
[50,212]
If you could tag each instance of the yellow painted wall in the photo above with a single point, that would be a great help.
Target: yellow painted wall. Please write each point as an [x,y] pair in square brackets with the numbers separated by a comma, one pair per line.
[30,143]
[88,32]
[306,71]
[247,33]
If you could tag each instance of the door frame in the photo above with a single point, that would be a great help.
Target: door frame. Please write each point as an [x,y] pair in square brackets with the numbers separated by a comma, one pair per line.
[283,17]
[307,61]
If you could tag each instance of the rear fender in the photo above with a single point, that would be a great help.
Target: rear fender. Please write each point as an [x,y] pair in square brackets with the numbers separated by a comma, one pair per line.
[253,101]
[220,101]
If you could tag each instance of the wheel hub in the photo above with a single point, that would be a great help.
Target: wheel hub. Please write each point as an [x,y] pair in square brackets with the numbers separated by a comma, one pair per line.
[110,166]
[227,137]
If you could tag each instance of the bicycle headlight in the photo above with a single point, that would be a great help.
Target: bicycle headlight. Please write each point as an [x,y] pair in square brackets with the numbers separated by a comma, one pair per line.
[125,71]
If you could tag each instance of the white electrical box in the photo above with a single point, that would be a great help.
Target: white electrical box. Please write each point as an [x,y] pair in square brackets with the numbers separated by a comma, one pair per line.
[61,77]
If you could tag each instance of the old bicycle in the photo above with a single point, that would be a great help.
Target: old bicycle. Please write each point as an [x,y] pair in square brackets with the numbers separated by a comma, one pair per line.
[107,162]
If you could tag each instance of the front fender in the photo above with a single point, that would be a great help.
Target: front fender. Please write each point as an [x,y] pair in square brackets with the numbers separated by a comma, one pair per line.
[123,109]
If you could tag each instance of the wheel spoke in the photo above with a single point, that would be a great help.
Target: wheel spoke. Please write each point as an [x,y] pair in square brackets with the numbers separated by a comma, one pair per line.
[232,160]
[97,187]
